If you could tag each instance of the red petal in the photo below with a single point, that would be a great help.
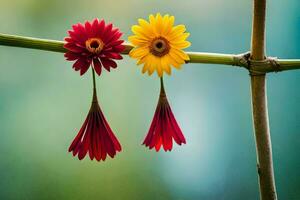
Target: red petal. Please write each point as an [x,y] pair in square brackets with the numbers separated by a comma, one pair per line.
[79,33]
[86,140]
[112,44]
[71,56]
[100,29]
[95,24]
[81,62]
[110,132]
[118,48]
[153,125]
[107,63]
[82,65]
[72,47]
[103,148]
[97,66]
[109,146]
[79,135]
[170,127]
[97,143]
[111,35]
[91,138]
[167,133]
[176,127]
[157,132]
[158,144]
[88,29]
[114,35]
[113,55]
[107,31]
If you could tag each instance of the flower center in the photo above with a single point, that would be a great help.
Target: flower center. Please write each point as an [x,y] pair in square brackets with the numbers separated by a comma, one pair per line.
[159,46]
[94,45]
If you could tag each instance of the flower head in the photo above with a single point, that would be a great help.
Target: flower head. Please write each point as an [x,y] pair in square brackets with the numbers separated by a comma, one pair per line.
[94,43]
[164,127]
[95,136]
[158,44]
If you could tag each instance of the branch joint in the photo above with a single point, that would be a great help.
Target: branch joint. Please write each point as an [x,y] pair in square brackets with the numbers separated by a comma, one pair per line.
[257,67]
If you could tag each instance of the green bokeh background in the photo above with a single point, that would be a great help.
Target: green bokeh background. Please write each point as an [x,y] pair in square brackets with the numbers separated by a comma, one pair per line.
[43,103]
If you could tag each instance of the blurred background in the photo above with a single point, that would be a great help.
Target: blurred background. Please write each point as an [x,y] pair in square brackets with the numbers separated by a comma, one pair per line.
[43,103]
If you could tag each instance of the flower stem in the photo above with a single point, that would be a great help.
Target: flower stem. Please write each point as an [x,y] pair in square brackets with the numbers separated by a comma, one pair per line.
[162,87]
[260,108]
[195,57]
[95,100]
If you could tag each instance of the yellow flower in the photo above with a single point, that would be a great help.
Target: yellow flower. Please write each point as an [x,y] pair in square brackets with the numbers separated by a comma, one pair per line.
[158,44]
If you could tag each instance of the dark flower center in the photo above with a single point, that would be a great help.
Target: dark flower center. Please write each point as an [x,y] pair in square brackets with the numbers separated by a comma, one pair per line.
[159,46]
[94,45]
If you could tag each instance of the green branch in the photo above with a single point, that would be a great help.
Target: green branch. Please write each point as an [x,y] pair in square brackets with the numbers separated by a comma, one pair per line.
[195,57]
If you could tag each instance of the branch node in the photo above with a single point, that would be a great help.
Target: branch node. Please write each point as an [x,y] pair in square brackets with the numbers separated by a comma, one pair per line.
[242,60]
[261,67]
[274,64]
[257,67]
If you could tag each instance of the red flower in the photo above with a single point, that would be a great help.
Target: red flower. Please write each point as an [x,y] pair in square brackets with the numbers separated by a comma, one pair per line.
[164,127]
[95,136]
[95,44]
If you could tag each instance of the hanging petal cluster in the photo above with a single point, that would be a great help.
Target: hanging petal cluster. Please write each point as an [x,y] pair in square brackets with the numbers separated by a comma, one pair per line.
[95,136]
[94,43]
[164,127]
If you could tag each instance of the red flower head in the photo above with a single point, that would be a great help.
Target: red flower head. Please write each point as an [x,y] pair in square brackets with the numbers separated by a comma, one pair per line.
[164,127]
[95,136]
[95,44]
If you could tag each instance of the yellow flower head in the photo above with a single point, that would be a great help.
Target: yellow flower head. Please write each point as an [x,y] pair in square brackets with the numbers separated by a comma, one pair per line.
[158,44]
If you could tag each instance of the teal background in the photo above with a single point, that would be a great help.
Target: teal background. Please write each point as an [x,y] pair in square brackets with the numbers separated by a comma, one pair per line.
[43,103]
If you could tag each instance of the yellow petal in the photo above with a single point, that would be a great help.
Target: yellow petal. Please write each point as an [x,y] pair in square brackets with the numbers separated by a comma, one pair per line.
[150,71]
[180,53]
[159,23]
[170,25]
[159,72]
[173,62]
[140,32]
[165,65]
[158,66]
[152,20]
[138,41]
[146,26]
[176,57]
[179,37]
[145,68]
[142,60]
[139,52]
[152,64]
[180,45]
[176,32]
[165,24]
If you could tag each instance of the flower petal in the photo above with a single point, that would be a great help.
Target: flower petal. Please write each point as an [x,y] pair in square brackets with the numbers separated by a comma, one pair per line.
[107,63]
[139,52]
[97,66]
[113,55]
